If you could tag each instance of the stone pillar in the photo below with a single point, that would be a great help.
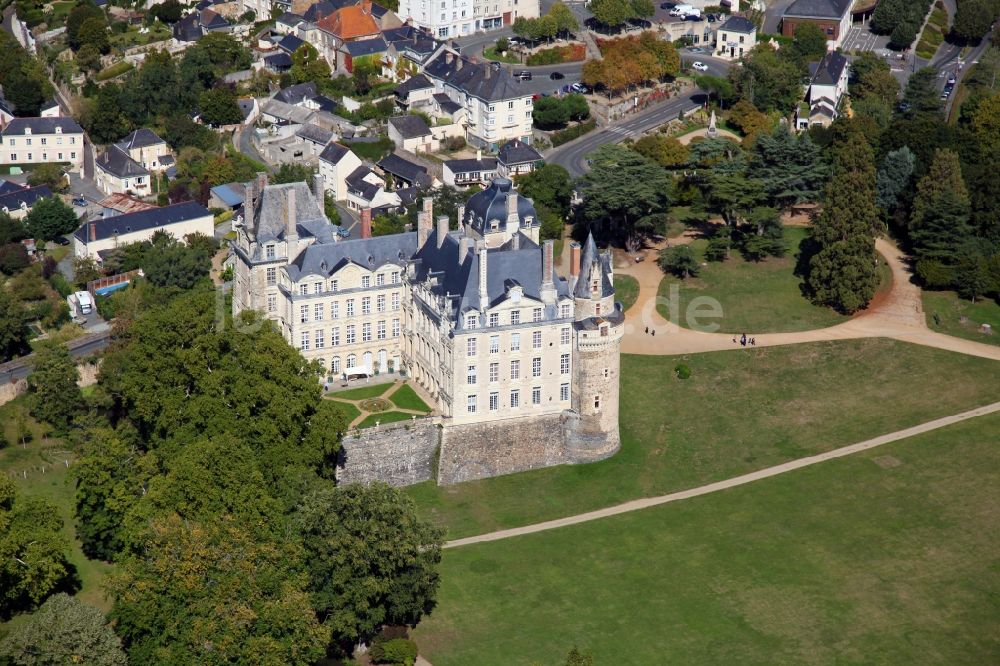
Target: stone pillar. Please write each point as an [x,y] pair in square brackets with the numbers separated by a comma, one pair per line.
[366,222]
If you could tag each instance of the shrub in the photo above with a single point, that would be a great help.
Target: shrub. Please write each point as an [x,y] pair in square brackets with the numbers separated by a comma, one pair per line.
[683,372]
[116,69]
[454,143]
[400,651]
[570,133]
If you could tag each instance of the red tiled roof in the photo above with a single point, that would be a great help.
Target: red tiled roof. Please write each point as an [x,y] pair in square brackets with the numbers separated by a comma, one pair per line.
[352,22]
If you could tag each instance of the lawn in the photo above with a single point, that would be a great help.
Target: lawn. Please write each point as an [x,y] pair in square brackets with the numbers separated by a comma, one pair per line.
[406,398]
[371,150]
[384,417]
[949,310]
[491,53]
[350,411]
[762,297]
[885,557]
[741,410]
[25,465]
[626,290]
[362,392]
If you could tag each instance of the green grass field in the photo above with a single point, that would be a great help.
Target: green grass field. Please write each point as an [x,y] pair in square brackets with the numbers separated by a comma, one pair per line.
[949,309]
[362,392]
[350,411]
[25,465]
[760,297]
[626,290]
[885,557]
[741,410]
[406,398]
[384,417]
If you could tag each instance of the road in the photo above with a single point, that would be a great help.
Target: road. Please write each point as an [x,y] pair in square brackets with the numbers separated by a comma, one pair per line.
[241,139]
[80,348]
[573,156]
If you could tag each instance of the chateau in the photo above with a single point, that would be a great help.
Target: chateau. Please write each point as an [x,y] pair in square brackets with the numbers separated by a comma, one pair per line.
[523,363]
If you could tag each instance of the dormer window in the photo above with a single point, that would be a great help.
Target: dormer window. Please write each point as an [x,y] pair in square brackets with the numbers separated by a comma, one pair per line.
[269,251]
[472,321]
[59,130]
[494,225]
[27,130]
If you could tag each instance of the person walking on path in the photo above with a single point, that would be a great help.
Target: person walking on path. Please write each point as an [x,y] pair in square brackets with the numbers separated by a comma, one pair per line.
[743,340]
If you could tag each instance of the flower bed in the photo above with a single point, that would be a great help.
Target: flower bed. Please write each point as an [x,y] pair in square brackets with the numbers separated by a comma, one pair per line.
[558,55]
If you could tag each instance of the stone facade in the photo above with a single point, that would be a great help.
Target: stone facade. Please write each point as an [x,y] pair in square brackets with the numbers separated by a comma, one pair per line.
[399,454]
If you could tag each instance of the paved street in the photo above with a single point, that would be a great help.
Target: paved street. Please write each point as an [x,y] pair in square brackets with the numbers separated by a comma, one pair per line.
[83,347]
[573,156]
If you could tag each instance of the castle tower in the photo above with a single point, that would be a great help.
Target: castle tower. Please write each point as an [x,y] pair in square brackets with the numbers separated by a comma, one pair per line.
[598,333]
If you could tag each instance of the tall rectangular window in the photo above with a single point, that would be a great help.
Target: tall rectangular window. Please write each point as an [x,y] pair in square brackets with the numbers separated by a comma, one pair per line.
[470,404]
[350,307]
[320,343]
[350,337]
[366,305]
[515,369]
[303,313]
[380,330]
[470,347]
[380,279]
[272,302]
[395,277]
[536,314]
[318,312]
[515,398]
[471,376]
[515,316]
[536,339]
[494,401]
[366,281]
[494,372]
[472,321]
[380,303]
[536,395]
[564,336]
[272,276]
[515,342]
[395,328]
[494,319]
[366,332]
[564,392]
[395,300]
[335,310]
[564,364]
[304,341]
[335,336]
[536,367]
[564,310]
[334,285]
[494,344]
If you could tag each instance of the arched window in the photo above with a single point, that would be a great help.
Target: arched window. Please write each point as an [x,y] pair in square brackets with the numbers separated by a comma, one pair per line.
[335,364]
[351,361]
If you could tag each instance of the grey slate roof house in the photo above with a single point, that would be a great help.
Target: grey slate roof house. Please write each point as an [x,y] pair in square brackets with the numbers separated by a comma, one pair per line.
[465,172]
[516,157]
[404,172]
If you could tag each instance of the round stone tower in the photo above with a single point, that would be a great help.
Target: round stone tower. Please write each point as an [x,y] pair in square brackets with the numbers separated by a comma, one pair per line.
[598,330]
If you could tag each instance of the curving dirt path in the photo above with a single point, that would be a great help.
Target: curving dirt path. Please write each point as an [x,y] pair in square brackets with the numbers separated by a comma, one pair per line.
[636,505]
[899,315]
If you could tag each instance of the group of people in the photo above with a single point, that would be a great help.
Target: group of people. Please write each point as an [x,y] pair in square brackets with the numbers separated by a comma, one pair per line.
[653,331]
[744,340]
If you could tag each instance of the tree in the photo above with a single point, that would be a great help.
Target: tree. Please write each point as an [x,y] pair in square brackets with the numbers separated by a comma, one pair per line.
[973,19]
[770,82]
[64,630]
[167,12]
[894,177]
[371,560]
[308,65]
[944,175]
[625,189]
[745,117]
[577,658]
[564,19]
[550,112]
[887,15]
[387,224]
[939,220]
[809,43]
[921,95]
[210,593]
[50,218]
[643,8]
[790,167]
[764,237]
[666,151]
[718,87]
[292,172]
[13,258]
[13,332]
[76,18]
[53,394]
[103,118]
[679,261]
[219,106]
[842,271]
[33,561]
[89,58]
[94,32]
[85,270]
[871,77]
[330,208]
[50,174]
[170,263]
[549,186]
[612,12]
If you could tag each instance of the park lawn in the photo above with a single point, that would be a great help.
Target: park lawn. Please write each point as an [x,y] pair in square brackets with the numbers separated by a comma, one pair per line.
[350,411]
[406,398]
[362,392]
[626,290]
[25,464]
[888,556]
[762,297]
[949,309]
[384,417]
[740,411]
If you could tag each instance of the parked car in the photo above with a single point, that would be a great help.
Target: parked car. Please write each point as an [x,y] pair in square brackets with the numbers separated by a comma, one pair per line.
[700,66]
[580,88]
[695,49]
[667,5]
[557,76]
[79,201]
[951,79]
[566,89]
[524,75]
[343,232]
[61,240]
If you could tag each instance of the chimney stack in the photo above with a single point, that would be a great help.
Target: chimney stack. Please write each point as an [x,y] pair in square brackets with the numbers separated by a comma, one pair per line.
[574,259]
[291,225]
[261,181]
[479,155]
[516,241]
[484,298]
[463,249]
[461,216]
[93,231]
[366,222]
[442,229]
[424,223]
[548,252]
[249,199]
[319,189]
[428,204]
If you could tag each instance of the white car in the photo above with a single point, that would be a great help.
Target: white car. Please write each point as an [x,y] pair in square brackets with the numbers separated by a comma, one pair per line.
[700,66]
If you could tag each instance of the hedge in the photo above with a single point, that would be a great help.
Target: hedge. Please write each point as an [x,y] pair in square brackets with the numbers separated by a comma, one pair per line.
[570,133]
[116,69]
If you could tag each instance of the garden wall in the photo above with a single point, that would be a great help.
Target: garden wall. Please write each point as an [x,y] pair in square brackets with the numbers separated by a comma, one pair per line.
[399,454]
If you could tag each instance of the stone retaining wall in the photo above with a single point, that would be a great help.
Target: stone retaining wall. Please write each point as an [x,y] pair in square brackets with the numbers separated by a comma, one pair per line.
[399,454]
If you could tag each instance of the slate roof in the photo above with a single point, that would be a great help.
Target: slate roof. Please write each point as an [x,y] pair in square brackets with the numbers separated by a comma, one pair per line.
[280,60]
[818,8]
[491,204]
[7,186]
[410,127]
[356,182]
[49,104]
[446,103]
[372,253]
[290,19]
[334,152]
[325,103]
[517,152]
[212,20]
[231,194]
[289,43]
[402,33]
[12,200]
[246,106]
[141,138]
[418,82]
[403,168]
[287,112]
[314,133]
[738,24]
[117,162]
[188,29]
[272,207]
[321,9]
[366,47]
[153,218]
[296,94]
[475,79]
[17,126]
[469,165]
[830,69]
[589,258]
